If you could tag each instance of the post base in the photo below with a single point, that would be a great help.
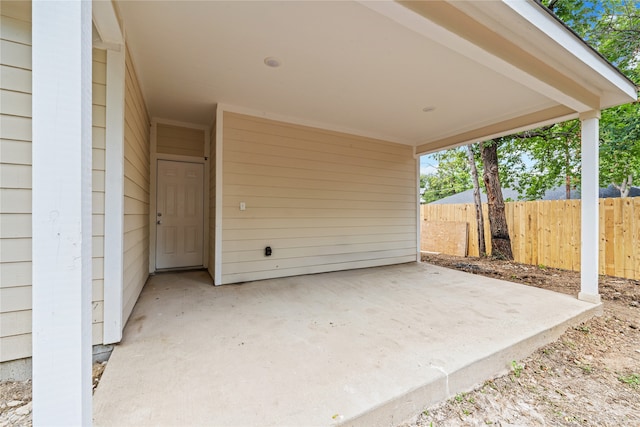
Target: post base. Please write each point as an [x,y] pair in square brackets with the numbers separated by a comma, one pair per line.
[594,299]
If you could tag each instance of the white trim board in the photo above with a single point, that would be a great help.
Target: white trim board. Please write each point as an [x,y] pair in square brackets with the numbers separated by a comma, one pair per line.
[114,198]
[217,280]
[309,123]
[153,174]
[188,125]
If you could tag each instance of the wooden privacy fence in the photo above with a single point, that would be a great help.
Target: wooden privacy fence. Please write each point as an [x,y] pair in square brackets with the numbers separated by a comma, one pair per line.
[548,232]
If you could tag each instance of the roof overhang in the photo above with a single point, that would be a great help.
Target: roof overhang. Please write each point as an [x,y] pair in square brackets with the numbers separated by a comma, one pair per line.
[431,74]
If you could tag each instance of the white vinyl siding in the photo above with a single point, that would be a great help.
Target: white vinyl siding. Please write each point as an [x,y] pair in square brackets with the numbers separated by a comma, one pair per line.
[179,140]
[322,200]
[136,191]
[99,71]
[15,180]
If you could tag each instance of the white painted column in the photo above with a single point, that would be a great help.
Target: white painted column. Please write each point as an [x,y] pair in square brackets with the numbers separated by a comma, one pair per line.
[153,206]
[114,197]
[217,276]
[418,209]
[589,216]
[61,212]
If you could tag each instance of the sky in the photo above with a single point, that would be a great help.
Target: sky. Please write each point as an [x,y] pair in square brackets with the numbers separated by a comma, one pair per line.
[427,164]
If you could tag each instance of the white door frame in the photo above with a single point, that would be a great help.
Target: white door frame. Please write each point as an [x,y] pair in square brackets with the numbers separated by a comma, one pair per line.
[155,156]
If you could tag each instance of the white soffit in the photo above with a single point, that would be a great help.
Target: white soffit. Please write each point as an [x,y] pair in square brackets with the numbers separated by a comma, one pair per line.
[343,65]
[556,45]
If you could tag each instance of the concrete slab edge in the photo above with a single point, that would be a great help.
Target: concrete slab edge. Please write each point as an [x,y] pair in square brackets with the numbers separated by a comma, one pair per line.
[21,369]
[406,407]
[16,370]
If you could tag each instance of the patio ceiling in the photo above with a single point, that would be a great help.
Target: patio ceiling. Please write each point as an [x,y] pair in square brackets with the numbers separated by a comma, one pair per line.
[368,68]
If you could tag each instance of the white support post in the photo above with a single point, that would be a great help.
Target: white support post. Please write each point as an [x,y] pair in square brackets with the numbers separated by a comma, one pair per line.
[217,279]
[589,215]
[418,209]
[153,208]
[61,212]
[114,197]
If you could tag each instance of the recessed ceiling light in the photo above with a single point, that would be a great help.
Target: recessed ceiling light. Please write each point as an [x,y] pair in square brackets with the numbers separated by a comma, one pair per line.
[272,62]
[428,109]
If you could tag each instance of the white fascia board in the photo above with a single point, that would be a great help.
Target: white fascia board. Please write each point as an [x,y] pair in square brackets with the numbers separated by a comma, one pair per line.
[419,24]
[572,44]
[107,23]
[485,137]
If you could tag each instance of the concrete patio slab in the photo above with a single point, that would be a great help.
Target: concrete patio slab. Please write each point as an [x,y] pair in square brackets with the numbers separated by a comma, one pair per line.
[362,347]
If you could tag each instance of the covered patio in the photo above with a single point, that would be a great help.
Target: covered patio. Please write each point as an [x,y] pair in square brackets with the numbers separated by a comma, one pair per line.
[260,140]
[361,347]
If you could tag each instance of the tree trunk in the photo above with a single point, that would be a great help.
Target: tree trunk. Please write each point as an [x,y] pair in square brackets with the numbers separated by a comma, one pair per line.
[482,249]
[500,241]
[625,186]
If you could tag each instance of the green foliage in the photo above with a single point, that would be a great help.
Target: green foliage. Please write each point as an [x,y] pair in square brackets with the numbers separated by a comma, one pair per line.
[613,28]
[587,369]
[517,368]
[620,144]
[451,177]
[633,380]
[541,159]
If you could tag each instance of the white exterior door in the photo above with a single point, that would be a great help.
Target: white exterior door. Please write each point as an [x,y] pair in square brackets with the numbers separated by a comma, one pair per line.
[180,214]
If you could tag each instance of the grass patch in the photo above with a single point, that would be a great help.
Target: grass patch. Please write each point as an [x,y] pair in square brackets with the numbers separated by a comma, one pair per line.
[517,368]
[633,380]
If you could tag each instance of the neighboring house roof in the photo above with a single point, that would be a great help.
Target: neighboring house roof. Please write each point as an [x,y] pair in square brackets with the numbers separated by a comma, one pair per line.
[368,68]
[612,191]
[558,193]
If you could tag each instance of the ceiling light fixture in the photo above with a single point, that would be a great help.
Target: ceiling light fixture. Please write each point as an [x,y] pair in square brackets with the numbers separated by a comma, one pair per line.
[272,62]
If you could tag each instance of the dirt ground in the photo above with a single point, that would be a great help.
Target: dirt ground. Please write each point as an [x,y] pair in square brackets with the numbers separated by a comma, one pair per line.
[15,399]
[588,377]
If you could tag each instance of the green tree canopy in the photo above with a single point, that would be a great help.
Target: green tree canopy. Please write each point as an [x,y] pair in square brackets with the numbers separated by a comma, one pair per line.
[612,27]
[451,177]
[535,161]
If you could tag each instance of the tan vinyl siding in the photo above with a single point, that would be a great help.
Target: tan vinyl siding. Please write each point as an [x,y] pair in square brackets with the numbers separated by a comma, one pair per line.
[322,200]
[15,180]
[136,191]
[99,102]
[179,140]
[212,203]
